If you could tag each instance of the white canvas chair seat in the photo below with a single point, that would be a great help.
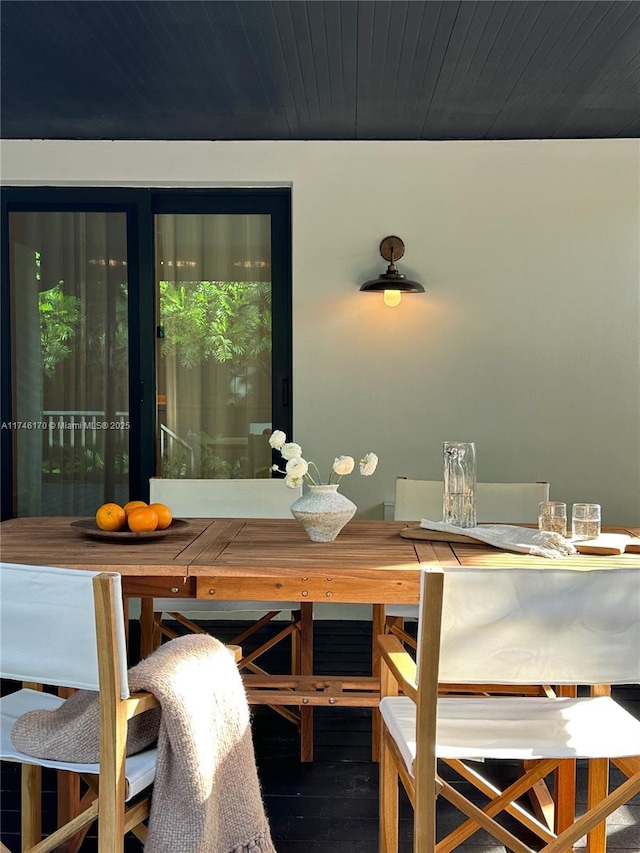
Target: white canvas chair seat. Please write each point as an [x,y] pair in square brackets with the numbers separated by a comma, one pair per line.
[511,627]
[140,769]
[509,503]
[65,628]
[515,727]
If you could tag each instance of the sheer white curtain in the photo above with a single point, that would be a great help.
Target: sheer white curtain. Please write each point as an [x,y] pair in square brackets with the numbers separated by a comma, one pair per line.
[68,282]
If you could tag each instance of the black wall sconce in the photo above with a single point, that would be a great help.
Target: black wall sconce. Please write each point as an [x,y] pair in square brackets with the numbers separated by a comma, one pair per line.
[392,284]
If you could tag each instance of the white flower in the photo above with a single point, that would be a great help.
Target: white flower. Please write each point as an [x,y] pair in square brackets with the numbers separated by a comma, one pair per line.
[293,482]
[298,470]
[277,439]
[368,464]
[343,465]
[291,450]
[297,467]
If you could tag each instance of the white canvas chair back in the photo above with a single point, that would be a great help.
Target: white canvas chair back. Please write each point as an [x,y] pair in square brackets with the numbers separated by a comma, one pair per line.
[48,628]
[253,498]
[537,626]
[510,503]
[512,627]
[50,622]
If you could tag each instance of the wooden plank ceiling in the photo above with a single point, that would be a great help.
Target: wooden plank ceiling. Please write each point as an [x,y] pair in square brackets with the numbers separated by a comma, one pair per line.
[343,69]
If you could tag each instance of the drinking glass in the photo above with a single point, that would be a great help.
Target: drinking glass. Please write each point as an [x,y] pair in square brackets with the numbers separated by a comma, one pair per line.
[552,517]
[459,496]
[585,521]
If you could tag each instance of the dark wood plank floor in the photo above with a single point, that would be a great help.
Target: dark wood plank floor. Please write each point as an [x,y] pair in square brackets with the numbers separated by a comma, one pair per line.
[330,805]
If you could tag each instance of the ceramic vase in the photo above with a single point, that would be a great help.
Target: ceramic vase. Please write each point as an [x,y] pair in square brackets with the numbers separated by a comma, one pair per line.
[323,512]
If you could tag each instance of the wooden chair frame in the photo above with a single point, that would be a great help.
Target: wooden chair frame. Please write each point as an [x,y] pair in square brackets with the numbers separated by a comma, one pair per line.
[508,502]
[104,800]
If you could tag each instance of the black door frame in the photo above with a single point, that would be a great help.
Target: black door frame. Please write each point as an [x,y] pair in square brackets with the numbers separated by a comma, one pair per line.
[140,205]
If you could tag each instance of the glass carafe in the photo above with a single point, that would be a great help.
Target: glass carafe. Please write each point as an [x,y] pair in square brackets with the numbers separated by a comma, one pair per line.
[459,496]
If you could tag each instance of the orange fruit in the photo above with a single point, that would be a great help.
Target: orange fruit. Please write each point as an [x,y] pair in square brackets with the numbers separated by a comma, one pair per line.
[132,505]
[142,519]
[110,516]
[164,515]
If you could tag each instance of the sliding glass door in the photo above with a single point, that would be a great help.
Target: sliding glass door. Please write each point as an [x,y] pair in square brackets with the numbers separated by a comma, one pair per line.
[215,347]
[143,333]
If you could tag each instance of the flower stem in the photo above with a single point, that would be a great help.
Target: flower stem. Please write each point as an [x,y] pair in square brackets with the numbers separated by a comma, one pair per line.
[311,480]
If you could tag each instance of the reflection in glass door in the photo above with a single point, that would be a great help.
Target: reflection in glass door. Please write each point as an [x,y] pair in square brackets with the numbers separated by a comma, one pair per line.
[70,356]
[214,355]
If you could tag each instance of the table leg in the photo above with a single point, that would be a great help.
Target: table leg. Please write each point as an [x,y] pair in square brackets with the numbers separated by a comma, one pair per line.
[306,668]
[377,627]
[146,627]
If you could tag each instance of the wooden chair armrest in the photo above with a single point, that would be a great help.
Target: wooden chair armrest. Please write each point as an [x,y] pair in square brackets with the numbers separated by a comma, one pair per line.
[138,703]
[399,664]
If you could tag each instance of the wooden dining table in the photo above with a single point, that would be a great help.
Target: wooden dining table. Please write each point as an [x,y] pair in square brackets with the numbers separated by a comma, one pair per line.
[272,559]
[371,562]
[244,559]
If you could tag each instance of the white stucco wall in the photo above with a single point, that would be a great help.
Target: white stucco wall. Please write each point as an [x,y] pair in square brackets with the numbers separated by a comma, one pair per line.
[527,340]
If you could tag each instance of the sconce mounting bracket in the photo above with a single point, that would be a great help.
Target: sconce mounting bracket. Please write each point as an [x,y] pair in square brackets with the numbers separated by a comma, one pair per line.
[392,249]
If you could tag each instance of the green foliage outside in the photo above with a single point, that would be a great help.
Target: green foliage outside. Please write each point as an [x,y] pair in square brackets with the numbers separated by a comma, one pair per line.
[219,320]
[202,321]
[83,462]
[60,319]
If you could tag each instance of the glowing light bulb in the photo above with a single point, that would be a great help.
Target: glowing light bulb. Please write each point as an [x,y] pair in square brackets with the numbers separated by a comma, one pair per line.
[392,298]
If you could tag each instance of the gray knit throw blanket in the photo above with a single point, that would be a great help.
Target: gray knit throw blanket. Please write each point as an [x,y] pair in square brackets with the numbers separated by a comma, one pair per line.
[206,794]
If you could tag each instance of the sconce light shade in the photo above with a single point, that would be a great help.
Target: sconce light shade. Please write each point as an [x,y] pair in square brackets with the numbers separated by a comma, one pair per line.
[392,283]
